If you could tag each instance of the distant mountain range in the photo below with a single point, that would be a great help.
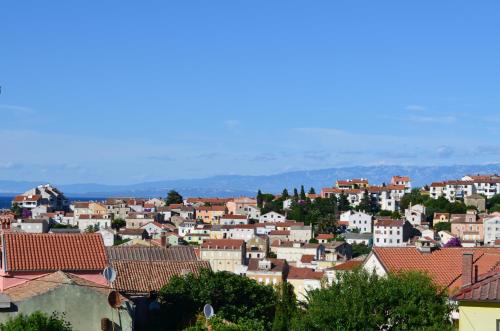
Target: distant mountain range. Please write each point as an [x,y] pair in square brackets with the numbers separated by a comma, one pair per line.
[232,185]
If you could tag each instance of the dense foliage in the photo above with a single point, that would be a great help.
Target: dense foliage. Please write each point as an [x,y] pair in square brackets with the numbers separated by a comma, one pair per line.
[118,223]
[363,301]
[442,226]
[36,321]
[286,307]
[360,249]
[493,203]
[440,205]
[218,324]
[233,297]
[173,197]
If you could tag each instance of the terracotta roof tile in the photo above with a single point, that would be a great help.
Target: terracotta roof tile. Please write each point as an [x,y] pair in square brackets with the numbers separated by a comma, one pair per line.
[53,252]
[144,276]
[349,265]
[443,265]
[487,289]
[304,273]
[222,244]
[174,253]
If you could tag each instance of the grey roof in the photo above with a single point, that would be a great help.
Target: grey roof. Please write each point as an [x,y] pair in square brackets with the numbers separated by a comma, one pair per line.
[352,235]
[140,253]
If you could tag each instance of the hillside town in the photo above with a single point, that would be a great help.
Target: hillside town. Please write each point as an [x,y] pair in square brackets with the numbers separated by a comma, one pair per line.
[448,230]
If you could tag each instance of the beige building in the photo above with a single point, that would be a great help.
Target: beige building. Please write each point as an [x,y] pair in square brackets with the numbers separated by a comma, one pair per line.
[267,271]
[117,207]
[238,205]
[304,280]
[97,208]
[258,247]
[224,254]
[293,251]
[210,214]
[137,220]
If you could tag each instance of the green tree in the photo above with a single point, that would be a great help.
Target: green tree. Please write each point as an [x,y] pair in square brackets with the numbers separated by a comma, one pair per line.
[365,203]
[286,307]
[442,226]
[16,209]
[343,204]
[118,223]
[92,228]
[494,200]
[218,324]
[295,194]
[260,201]
[302,193]
[312,190]
[233,297]
[285,194]
[37,321]
[173,197]
[360,249]
[365,301]
[414,198]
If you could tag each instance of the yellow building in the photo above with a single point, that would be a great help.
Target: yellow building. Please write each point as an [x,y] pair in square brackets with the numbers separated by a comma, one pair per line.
[479,304]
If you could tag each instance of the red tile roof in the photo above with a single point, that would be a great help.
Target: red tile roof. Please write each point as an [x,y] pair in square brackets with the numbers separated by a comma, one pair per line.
[222,244]
[235,217]
[443,265]
[53,252]
[349,265]
[324,236]
[144,276]
[22,198]
[279,233]
[389,222]
[307,258]
[211,208]
[304,273]
[486,289]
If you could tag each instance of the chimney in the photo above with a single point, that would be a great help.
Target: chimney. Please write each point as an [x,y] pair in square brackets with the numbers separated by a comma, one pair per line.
[467,259]
[163,239]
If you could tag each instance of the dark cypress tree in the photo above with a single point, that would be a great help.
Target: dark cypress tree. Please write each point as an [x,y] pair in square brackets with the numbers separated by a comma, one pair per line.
[312,190]
[260,200]
[302,193]
[285,194]
[295,194]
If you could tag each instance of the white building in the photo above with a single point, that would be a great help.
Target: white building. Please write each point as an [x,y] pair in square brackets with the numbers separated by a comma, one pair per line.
[101,221]
[357,219]
[391,233]
[186,228]
[301,233]
[108,237]
[415,214]
[233,219]
[402,180]
[239,232]
[252,212]
[491,230]
[272,217]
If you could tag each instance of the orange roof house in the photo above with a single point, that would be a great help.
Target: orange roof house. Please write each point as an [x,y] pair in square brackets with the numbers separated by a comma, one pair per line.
[443,265]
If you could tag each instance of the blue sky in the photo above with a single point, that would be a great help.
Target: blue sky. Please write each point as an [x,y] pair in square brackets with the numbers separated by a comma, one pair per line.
[115,92]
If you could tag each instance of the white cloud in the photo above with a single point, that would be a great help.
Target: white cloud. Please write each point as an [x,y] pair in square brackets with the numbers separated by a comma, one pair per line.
[231,124]
[415,108]
[433,119]
[16,109]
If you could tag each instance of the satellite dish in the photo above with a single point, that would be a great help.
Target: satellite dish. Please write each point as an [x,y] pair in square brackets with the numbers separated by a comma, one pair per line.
[114,299]
[110,274]
[208,310]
